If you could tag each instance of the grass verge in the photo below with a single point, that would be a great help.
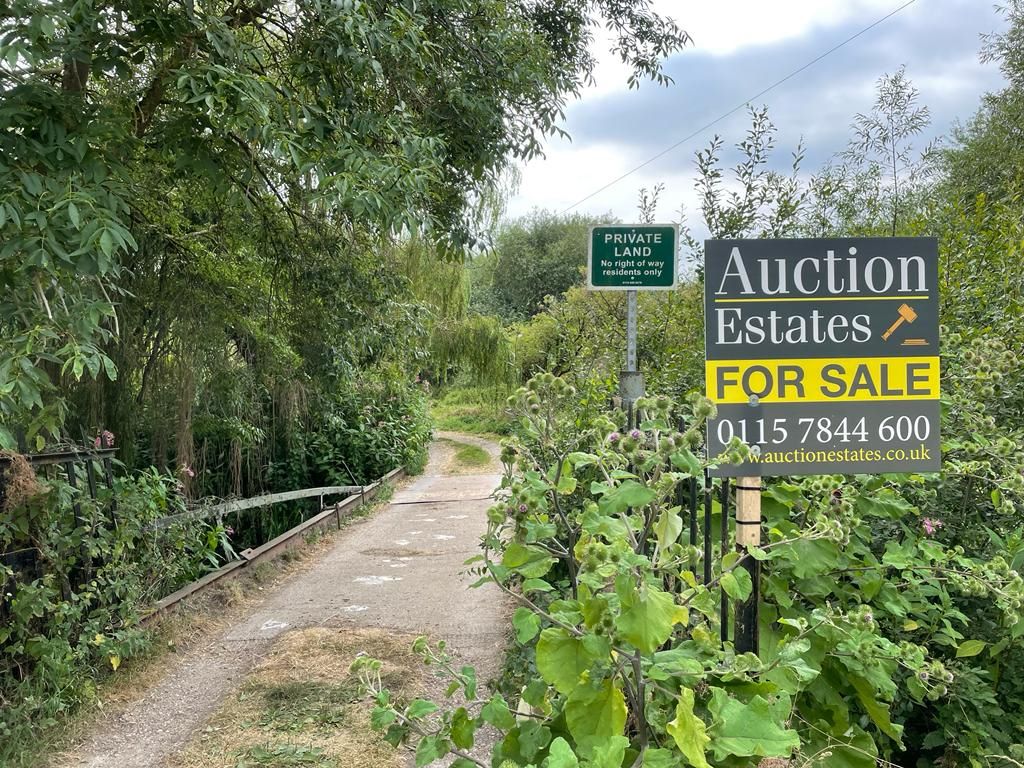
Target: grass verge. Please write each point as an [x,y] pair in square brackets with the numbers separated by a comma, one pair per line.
[467,456]
[302,707]
[471,409]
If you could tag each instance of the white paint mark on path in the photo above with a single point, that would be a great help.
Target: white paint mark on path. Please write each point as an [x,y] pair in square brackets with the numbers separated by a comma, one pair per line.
[375,581]
[442,537]
[401,542]
[273,624]
[414,533]
[456,517]
[355,608]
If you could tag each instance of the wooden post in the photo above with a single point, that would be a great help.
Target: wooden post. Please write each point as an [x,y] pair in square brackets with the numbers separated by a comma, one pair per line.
[748,534]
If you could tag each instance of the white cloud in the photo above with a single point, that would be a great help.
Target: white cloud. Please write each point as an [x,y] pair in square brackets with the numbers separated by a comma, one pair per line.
[731,36]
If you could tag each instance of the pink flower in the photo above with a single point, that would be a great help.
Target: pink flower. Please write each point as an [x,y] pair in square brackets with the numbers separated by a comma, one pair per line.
[930,525]
[105,439]
[187,470]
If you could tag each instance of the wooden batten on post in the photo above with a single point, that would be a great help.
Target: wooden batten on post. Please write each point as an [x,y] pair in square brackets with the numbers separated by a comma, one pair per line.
[748,534]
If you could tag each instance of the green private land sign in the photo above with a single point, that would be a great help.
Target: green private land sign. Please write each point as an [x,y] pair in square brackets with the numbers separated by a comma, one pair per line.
[633,257]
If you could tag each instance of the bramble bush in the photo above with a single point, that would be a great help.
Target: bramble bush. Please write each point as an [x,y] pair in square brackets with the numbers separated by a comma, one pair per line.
[79,619]
[868,643]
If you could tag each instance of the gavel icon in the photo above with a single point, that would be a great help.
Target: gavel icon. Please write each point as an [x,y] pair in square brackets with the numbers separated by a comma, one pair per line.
[907,313]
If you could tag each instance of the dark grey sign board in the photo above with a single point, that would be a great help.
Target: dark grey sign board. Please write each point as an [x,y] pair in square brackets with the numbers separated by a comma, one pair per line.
[823,354]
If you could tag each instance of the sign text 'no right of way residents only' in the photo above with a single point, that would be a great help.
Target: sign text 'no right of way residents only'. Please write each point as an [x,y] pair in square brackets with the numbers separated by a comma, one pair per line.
[823,355]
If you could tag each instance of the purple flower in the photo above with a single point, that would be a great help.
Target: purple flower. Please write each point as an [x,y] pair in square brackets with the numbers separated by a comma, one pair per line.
[522,507]
[229,531]
[930,525]
[105,440]
[614,437]
[636,434]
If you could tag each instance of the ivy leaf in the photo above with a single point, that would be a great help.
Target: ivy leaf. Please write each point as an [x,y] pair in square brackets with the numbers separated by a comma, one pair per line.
[561,755]
[526,623]
[562,658]
[754,729]
[595,715]
[647,617]
[688,731]
[969,648]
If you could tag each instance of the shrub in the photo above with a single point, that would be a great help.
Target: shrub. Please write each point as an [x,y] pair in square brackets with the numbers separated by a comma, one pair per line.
[864,614]
[79,618]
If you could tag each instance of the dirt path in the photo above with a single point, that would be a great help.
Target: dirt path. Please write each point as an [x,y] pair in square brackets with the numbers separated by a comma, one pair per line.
[399,570]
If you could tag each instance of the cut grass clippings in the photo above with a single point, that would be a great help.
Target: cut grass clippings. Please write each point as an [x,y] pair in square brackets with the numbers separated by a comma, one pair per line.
[464,458]
[302,707]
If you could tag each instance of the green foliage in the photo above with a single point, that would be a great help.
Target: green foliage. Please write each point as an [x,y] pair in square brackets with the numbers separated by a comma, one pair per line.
[542,254]
[221,146]
[79,619]
[476,410]
[865,609]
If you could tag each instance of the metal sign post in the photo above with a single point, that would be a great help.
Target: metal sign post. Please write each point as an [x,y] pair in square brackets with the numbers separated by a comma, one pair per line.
[632,258]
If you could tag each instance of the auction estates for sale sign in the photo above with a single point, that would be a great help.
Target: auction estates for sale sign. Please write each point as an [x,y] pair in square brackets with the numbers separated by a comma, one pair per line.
[823,355]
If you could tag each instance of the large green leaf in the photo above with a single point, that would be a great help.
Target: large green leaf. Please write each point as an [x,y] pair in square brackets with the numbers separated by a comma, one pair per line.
[562,658]
[463,729]
[561,755]
[688,731]
[609,754]
[628,494]
[595,715]
[754,729]
[647,617]
[969,648]
[496,712]
[526,624]
[530,562]
[667,527]
[737,584]
[878,711]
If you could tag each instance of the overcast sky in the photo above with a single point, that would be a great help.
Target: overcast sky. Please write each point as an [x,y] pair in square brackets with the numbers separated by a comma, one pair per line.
[739,48]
